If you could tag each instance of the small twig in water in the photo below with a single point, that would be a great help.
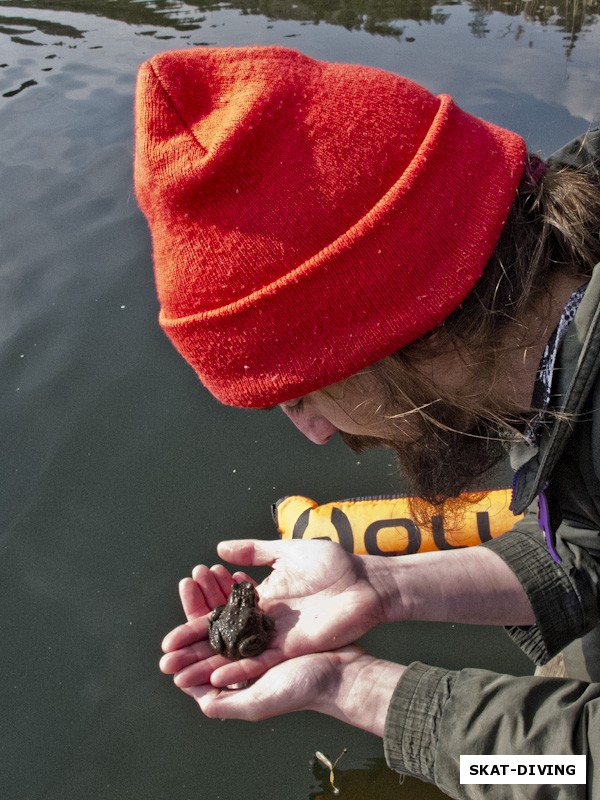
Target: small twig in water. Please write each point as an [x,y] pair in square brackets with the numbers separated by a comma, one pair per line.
[324,760]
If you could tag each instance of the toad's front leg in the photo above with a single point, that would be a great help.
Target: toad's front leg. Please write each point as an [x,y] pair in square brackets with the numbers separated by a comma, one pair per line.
[215,638]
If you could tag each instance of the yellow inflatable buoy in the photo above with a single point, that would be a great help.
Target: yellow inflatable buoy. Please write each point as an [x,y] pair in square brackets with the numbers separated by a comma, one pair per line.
[385,526]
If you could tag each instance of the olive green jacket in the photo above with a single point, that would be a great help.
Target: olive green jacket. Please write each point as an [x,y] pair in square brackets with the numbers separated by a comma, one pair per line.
[435,714]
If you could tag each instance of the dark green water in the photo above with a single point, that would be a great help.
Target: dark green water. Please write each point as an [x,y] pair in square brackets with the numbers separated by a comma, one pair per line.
[118,472]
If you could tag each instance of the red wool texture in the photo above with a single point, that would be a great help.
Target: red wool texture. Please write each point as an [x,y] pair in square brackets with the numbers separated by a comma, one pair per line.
[309,218]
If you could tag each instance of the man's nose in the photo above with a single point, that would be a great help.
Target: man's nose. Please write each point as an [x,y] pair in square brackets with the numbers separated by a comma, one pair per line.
[313,425]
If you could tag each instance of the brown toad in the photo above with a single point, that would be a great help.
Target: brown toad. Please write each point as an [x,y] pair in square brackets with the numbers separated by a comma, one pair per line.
[240,629]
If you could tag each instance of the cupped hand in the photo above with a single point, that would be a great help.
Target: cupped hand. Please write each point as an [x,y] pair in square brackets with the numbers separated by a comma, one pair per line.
[320,597]
[304,683]
[347,684]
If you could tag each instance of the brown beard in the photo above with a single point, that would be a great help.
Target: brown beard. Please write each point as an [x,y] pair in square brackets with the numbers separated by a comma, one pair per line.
[442,463]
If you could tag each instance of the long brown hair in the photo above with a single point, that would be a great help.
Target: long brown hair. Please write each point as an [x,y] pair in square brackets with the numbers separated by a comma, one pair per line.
[552,229]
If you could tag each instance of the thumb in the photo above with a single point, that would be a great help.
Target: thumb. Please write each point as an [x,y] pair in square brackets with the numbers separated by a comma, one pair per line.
[251,552]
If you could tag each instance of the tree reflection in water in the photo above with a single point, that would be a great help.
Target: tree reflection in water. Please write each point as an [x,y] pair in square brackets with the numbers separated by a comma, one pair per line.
[378,17]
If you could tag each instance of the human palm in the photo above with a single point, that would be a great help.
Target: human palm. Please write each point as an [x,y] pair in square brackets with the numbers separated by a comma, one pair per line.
[319,596]
[303,683]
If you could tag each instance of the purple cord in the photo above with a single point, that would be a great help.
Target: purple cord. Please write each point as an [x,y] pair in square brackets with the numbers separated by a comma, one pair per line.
[544,523]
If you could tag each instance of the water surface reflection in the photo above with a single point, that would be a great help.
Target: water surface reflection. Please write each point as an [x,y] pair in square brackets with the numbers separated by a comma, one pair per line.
[41,23]
[118,472]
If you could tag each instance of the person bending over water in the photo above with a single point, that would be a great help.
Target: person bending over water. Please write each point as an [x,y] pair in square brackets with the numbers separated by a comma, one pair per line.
[337,241]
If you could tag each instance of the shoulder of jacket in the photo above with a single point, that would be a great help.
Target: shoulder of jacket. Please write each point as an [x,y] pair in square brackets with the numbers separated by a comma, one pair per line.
[577,368]
[583,151]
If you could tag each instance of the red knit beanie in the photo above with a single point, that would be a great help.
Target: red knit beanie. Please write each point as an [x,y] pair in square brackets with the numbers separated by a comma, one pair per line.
[309,218]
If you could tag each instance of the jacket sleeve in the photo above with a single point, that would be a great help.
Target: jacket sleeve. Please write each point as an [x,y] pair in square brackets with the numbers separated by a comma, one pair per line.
[565,597]
[436,715]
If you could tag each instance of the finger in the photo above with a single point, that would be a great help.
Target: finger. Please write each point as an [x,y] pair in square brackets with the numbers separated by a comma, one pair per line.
[246,670]
[243,576]
[199,673]
[246,552]
[195,630]
[223,704]
[224,579]
[251,703]
[177,660]
[201,692]
[192,599]
[211,589]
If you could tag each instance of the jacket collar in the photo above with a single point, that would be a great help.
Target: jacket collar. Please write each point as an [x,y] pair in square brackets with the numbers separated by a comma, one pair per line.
[577,367]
